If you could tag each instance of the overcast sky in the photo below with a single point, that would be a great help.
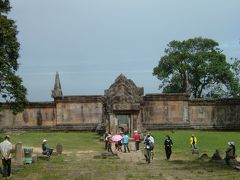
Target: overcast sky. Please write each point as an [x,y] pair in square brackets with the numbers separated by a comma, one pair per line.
[91,42]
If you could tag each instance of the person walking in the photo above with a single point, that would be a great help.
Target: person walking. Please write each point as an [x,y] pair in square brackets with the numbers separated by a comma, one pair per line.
[136,138]
[152,140]
[168,146]
[125,142]
[193,142]
[5,149]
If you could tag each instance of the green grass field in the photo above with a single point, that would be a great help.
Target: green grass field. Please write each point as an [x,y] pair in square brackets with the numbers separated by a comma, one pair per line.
[80,148]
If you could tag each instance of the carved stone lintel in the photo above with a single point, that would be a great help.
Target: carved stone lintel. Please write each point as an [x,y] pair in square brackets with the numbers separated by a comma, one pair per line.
[123,94]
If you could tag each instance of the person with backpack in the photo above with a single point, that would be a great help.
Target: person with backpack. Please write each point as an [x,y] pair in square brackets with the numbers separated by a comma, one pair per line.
[152,140]
[168,146]
[148,145]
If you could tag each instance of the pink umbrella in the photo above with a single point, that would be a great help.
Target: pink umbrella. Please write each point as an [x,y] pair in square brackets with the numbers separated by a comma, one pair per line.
[116,138]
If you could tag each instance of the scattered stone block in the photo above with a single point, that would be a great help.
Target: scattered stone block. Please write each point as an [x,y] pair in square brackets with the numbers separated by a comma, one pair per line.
[204,157]
[34,158]
[195,151]
[216,156]
[59,148]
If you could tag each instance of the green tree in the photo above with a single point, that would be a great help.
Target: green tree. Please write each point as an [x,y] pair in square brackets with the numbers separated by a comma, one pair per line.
[11,89]
[200,63]
[236,68]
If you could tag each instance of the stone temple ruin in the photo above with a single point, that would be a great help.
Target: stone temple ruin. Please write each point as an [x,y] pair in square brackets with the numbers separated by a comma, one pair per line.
[124,107]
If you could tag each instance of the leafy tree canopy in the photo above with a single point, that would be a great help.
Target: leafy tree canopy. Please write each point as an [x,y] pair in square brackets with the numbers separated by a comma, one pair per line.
[202,64]
[11,89]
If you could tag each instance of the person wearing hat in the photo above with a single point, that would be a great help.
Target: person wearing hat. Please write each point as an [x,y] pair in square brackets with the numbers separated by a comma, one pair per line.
[193,142]
[230,152]
[5,148]
[45,148]
[136,138]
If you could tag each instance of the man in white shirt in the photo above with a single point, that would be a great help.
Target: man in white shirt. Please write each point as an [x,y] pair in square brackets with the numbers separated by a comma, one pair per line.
[5,149]
[151,138]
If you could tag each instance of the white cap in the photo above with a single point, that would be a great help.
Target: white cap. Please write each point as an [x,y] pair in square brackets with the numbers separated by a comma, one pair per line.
[44,140]
[135,131]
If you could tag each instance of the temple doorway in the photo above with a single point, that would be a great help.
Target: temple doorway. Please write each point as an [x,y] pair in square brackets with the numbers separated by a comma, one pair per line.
[125,123]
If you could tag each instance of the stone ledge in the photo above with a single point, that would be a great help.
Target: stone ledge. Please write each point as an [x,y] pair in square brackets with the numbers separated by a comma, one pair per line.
[166,126]
[167,97]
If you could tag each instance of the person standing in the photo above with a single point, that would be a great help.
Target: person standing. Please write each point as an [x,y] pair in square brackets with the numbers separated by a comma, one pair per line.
[109,143]
[168,146]
[125,142]
[193,142]
[5,148]
[105,139]
[136,138]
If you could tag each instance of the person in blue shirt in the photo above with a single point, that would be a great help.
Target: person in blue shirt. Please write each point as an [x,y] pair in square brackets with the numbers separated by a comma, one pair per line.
[125,142]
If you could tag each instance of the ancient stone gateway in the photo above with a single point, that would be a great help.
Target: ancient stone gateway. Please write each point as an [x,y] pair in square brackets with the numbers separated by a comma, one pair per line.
[125,107]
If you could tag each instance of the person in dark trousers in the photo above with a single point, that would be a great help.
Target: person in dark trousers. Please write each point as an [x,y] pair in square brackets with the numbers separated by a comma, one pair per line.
[193,142]
[136,138]
[5,149]
[125,142]
[105,139]
[118,146]
[46,150]
[109,143]
[168,146]
[230,152]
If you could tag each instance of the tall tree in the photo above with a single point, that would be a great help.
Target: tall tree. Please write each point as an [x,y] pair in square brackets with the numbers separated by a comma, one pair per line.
[11,89]
[208,73]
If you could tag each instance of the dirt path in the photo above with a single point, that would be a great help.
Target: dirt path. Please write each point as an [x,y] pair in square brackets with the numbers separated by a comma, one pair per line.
[132,156]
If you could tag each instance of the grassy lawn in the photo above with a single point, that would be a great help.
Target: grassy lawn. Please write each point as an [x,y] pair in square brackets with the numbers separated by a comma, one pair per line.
[80,148]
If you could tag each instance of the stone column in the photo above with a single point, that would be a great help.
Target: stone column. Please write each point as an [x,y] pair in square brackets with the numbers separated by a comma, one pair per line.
[59,148]
[19,153]
[113,122]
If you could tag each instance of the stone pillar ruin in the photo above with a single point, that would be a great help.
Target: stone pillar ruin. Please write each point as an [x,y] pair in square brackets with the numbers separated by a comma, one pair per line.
[19,153]
[59,148]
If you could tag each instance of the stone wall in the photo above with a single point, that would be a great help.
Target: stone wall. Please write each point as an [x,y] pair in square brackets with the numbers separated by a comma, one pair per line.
[35,115]
[166,111]
[158,111]
[215,114]
[84,112]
